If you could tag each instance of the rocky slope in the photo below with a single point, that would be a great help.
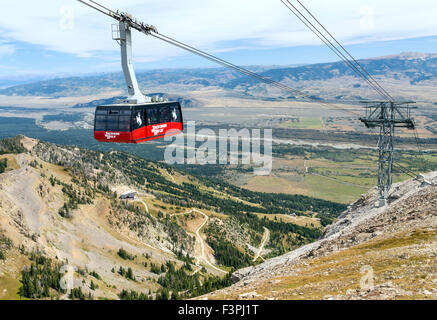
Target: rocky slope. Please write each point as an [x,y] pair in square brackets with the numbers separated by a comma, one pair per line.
[31,199]
[61,203]
[369,253]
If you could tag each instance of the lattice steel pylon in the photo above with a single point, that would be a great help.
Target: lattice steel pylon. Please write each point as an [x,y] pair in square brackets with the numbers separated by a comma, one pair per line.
[387,116]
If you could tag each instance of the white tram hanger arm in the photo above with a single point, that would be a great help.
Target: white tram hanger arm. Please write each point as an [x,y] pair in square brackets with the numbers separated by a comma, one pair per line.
[150,30]
[123,35]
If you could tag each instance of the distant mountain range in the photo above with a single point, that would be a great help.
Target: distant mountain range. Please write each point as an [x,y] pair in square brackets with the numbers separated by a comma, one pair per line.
[20,79]
[415,67]
[412,68]
[78,86]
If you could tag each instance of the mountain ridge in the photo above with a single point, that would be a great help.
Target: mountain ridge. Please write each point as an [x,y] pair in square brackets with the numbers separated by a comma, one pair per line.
[60,205]
[396,243]
[413,68]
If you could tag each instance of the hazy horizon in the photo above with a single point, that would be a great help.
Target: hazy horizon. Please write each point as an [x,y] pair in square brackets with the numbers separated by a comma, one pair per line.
[10,81]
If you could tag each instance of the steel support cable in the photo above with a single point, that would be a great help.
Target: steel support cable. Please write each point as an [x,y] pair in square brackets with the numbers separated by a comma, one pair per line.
[319,34]
[244,71]
[330,45]
[422,156]
[399,170]
[100,8]
[150,31]
[346,51]
[405,170]
[225,63]
[98,4]
[196,51]
[406,173]
[326,41]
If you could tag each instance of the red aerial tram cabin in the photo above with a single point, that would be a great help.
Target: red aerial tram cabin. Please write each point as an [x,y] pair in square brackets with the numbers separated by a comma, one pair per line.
[136,123]
[138,118]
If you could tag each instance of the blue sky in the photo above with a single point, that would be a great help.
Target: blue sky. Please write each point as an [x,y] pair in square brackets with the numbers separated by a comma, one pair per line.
[47,38]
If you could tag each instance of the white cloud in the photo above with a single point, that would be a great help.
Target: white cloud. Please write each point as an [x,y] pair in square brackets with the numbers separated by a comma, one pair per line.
[211,24]
[6,49]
